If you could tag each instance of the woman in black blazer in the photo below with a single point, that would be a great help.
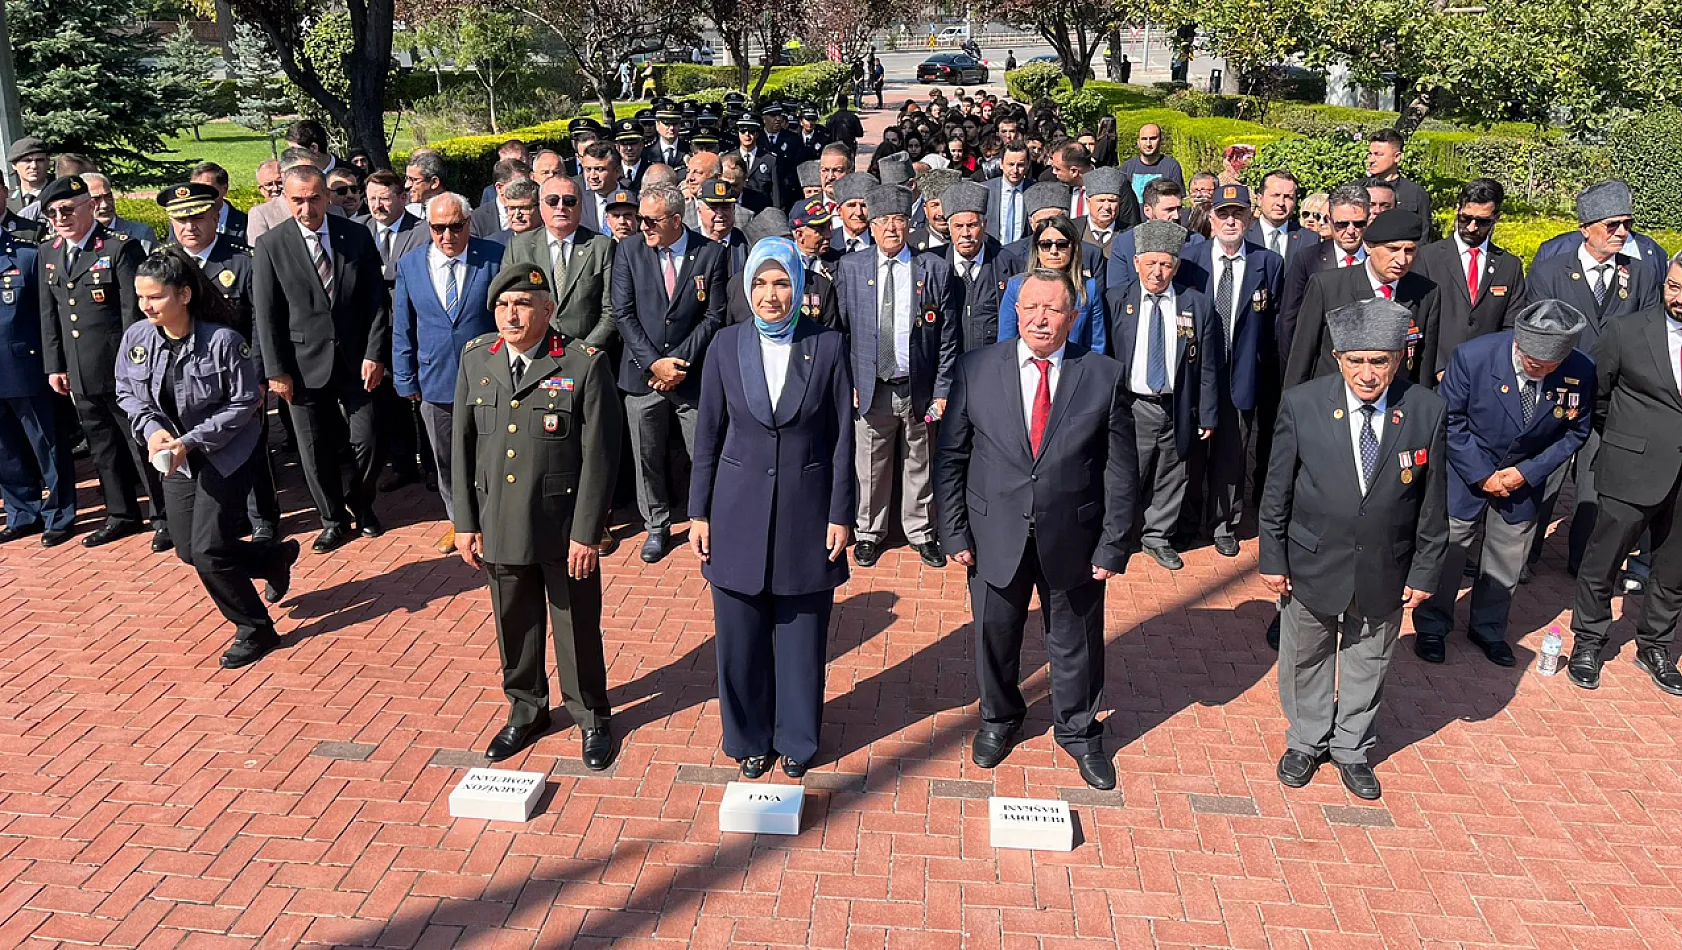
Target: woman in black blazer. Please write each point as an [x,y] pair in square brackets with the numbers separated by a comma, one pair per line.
[774,462]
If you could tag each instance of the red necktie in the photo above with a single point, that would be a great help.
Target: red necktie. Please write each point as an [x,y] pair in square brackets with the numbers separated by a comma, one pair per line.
[1472,274]
[1349,260]
[1385,289]
[1042,406]
[1080,203]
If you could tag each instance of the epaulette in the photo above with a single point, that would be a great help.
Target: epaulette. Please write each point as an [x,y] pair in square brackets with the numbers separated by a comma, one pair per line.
[478,341]
[582,347]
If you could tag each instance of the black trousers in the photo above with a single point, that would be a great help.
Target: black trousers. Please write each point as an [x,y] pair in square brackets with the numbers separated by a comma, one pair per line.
[205,510]
[405,438]
[323,419]
[1225,465]
[1074,643]
[521,596]
[771,656]
[1617,525]
[120,461]
[262,505]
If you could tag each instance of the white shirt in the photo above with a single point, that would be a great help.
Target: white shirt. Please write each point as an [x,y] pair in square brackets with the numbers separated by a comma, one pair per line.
[1013,221]
[1673,333]
[1372,278]
[529,356]
[222,218]
[1343,256]
[840,237]
[561,251]
[678,248]
[1267,234]
[501,215]
[1217,262]
[1357,422]
[437,268]
[904,303]
[1589,265]
[774,354]
[1466,260]
[326,244]
[1167,322]
[966,268]
[1030,378]
[382,230]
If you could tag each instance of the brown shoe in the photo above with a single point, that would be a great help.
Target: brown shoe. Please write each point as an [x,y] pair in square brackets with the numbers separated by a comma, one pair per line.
[447,541]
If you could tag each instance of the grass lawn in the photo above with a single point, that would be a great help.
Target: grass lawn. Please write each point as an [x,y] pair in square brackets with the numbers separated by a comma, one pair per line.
[240,150]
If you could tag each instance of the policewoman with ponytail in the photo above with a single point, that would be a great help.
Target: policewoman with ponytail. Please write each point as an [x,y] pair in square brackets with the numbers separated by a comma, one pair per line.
[772,500]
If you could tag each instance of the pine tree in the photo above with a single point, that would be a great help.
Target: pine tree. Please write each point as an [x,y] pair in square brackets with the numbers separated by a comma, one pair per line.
[257,77]
[186,64]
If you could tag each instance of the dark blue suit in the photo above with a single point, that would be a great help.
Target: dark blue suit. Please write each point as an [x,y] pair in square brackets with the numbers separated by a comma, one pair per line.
[778,475]
[1118,266]
[426,339]
[1486,433]
[31,454]
[1653,257]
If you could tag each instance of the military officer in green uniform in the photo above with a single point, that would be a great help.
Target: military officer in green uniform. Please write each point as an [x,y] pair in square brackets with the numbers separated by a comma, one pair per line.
[194,210]
[537,435]
[86,278]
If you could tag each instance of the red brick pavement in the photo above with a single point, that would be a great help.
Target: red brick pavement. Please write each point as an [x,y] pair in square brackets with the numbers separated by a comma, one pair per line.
[150,799]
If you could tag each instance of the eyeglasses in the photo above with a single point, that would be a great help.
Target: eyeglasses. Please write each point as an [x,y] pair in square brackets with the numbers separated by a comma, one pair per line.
[1619,224]
[646,221]
[569,201]
[1347,225]
[519,209]
[1053,244]
[454,227]
[1471,219]
[346,190]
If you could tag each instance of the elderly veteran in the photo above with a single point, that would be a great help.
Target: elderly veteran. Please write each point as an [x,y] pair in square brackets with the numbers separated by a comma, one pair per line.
[1353,528]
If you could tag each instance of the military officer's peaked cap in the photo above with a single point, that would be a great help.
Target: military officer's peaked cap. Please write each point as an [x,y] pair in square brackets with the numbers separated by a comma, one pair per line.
[188,199]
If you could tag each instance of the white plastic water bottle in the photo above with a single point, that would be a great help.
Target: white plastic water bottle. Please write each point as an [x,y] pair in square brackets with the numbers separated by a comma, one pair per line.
[1552,646]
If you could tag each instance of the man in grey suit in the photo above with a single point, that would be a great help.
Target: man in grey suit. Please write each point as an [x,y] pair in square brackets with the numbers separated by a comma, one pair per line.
[105,209]
[1354,527]
[903,310]
[395,231]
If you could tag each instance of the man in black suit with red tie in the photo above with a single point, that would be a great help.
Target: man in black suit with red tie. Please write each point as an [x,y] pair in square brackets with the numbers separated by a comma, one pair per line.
[1480,286]
[323,322]
[1349,209]
[1035,479]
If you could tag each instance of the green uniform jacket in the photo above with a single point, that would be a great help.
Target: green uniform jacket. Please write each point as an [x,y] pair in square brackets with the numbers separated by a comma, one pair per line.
[583,306]
[534,465]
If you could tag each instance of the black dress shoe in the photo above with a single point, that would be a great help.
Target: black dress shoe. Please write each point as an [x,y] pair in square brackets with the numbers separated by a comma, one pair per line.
[1657,664]
[992,744]
[1226,547]
[330,539]
[793,769]
[52,539]
[1430,649]
[1498,652]
[1097,770]
[865,553]
[399,480]
[1296,769]
[161,540]
[755,766]
[246,652]
[1165,556]
[1273,633]
[1526,574]
[655,548]
[931,554]
[1584,666]
[111,531]
[1358,777]
[10,533]
[276,587]
[264,534]
[431,478]
[598,748]
[369,525]
[512,739]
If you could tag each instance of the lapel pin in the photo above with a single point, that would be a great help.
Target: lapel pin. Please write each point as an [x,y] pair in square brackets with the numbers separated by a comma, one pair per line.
[1337,413]
[1505,389]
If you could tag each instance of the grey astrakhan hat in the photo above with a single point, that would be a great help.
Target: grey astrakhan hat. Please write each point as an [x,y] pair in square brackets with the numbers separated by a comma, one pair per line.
[895,169]
[965,196]
[1104,180]
[811,174]
[884,200]
[854,186]
[1367,325]
[1158,237]
[1608,199]
[1046,194]
[1548,330]
[935,182]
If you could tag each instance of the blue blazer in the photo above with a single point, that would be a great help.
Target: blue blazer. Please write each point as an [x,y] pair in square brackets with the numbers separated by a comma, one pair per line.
[778,476]
[1653,257]
[1091,329]
[655,326]
[937,306]
[22,368]
[1561,277]
[1486,431]
[426,339]
[1253,363]
[1118,267]
[1199,356]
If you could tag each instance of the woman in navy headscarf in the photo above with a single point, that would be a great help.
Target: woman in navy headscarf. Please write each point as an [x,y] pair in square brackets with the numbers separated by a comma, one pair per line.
[772,500]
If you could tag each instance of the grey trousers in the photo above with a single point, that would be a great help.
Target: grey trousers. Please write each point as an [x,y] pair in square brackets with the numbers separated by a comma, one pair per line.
[1331,677]
[650,417]
[1162,473]
[439,419]
[888,430]
[1229,449]
[1505,547]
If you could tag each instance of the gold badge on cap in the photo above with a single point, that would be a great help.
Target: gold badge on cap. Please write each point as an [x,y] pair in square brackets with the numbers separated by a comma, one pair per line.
[181,191]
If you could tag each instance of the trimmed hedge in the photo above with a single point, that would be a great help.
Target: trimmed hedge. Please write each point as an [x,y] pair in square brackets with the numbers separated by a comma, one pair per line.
[1646,152]
[1034,81]
[1197,143]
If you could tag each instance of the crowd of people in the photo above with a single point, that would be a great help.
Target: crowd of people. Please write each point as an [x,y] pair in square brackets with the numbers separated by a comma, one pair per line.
[1055,357]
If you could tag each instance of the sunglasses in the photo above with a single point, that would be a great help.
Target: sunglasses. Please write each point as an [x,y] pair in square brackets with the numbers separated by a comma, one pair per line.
[1348,225]
[645,221]
[454,227]
[61,211]
[569,201]
[1472,219]
[1312,216]
[344,190]
[1620,224]
[1053,244]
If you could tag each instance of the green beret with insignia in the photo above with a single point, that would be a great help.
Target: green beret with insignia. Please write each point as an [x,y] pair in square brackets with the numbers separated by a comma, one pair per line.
[518,280]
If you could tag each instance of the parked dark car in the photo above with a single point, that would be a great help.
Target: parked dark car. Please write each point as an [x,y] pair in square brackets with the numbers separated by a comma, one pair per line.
[960,69]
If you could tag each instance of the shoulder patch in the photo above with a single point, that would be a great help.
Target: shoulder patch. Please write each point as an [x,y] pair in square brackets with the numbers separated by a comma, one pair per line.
[479,341]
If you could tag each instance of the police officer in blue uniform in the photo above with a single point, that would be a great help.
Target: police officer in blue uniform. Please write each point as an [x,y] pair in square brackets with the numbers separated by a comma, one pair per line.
[226,262]
[32,456]
[189,387]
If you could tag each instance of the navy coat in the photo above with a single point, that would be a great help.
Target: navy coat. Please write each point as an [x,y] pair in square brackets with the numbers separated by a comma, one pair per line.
[1561,277]
[1486,430]
[655,326]
[22,368]
[937,301]
[979,319]
[1197,380]
[776,479]
[1251,367]
[1653,257]
[427,340]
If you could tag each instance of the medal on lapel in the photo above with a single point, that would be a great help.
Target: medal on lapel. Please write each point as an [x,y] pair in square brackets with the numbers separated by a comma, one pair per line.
[1407,476]
[929,316]
[700,290]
